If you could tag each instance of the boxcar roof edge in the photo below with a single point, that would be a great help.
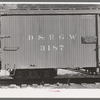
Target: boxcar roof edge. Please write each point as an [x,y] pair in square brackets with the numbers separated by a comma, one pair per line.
[47,12]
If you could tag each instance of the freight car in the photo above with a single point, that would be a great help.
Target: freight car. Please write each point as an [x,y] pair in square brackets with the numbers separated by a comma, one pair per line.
[35,43]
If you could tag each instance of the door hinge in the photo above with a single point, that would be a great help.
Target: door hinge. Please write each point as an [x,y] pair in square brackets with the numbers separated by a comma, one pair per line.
[5,36]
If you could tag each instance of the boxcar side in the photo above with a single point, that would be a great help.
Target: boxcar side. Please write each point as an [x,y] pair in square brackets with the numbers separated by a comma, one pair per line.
[49,41]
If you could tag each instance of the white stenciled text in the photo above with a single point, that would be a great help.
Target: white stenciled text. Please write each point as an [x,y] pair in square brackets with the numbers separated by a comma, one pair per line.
[51,38]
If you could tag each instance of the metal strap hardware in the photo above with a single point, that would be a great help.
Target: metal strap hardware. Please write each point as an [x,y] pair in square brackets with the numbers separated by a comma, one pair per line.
[88,39]
[5,37]
[11,48]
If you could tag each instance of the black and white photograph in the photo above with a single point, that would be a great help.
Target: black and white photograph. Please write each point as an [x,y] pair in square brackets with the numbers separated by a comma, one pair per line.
[49,46]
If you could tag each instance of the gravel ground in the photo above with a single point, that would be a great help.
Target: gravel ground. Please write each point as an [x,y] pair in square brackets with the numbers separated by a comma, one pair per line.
[61,72]
[54,86]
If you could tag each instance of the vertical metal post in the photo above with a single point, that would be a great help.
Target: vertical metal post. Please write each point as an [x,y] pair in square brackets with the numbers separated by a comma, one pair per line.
[0,44]
[98,43]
